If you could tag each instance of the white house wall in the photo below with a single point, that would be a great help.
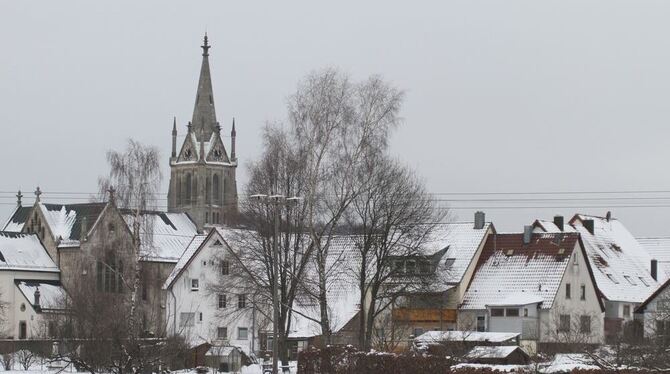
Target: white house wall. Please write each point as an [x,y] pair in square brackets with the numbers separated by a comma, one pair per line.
[12,296]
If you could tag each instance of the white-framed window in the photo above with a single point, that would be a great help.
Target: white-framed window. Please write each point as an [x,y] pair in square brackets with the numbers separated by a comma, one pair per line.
[195,284]
[242,301]
[585,324]
[222,333]
[564,323]
[512,312]
[186,319]
[242,333]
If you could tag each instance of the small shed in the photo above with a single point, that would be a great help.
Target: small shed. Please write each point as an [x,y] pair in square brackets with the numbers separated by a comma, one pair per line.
[225,358]
[501,355]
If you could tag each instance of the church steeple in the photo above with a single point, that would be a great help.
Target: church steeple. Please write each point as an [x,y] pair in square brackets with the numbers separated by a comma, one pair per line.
[203,113]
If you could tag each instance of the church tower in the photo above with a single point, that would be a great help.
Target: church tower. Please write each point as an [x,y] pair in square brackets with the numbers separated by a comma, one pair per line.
[202,176]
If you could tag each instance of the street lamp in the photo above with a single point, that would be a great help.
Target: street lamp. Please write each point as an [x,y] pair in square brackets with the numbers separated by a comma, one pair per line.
[277,201]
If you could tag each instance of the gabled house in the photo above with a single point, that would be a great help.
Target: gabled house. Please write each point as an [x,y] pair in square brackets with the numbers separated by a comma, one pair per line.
[30,287]
[621,267]
[654,314]
[202,313]
[536,284]
[441,275]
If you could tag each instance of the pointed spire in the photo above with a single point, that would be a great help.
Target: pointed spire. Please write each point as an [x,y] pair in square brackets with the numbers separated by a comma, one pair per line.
[174,139]
[174,126]
[204,112]
[233,134]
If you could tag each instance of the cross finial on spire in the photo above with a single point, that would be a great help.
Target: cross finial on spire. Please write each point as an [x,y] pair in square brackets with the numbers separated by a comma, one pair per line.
[206,46]
[19,195]
[38,192]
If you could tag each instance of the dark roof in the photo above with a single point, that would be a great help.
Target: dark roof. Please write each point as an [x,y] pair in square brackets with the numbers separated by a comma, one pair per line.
[89,210]
[18,218]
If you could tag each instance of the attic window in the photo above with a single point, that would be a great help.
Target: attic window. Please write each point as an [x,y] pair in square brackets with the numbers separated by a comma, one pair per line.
[643,281]
[626,277]
[611,277]
[449,262]
[217,243]
[509,252]
[561,251]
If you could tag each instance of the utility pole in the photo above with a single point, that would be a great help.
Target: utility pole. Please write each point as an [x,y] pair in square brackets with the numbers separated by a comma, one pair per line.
[277,201]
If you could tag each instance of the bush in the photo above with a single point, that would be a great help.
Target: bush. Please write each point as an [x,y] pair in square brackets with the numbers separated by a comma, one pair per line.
[347,360]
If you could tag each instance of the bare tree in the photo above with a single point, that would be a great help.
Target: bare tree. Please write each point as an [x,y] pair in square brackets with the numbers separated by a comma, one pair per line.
[391,219]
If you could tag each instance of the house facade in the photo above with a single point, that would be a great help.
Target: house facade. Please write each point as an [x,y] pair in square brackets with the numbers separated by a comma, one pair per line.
[538,285]
[654,314]
[202,312]
[30,287]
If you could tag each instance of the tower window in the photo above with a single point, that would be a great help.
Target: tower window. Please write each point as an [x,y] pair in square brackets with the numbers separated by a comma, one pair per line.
[216,189]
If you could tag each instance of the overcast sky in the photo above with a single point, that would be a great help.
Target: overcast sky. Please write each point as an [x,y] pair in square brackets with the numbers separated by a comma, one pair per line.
[501,96]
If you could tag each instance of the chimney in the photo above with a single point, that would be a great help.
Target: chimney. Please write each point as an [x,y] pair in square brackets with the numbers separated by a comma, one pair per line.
[654,269]
[559,222]
[527,234]
[589,225]
[480,219]
[37,297]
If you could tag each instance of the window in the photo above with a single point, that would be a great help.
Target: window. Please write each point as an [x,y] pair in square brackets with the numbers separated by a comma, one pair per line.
[582,292]
[195,284]
[424,267]
[216,189]
[630,280]
[398,267]
[611,277]
[626,310]
[643,281]
[525,312]
[110,228]
[497,312]
[222,333]
[241,301]
[585,324]
[200,317]
[186,319]
[481,323]
[512,312]
[449,262]
[410,267]
[242,333]
[109,275]
[418,331]
[564,323]
[567,290]
[222,301]
[187,190]
[225,267]
[574,260]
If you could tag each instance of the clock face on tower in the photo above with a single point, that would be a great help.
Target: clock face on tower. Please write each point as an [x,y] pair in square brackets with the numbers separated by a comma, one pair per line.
[217,155]
[188,154]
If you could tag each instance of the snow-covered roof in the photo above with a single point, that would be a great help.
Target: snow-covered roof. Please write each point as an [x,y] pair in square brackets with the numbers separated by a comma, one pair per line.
[507,267]
[501,351]
[65,220]
[519,298]
[166,235]
[550,227]
[17,219]
[52,294]
[436,337]
[24,252]
[185,259]
[620,265]
[461,241]
[659,250]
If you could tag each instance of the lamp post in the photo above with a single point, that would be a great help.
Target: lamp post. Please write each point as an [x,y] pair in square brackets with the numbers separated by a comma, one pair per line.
[276,201]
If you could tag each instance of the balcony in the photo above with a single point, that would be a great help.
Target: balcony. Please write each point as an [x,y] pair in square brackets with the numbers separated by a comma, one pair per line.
[424,315]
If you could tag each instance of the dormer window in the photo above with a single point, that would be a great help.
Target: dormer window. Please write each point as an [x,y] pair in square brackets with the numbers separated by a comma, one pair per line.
[195,284]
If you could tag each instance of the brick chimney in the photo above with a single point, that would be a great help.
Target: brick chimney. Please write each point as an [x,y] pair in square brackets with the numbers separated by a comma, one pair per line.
[480,219]
[654,269]
[527,234]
